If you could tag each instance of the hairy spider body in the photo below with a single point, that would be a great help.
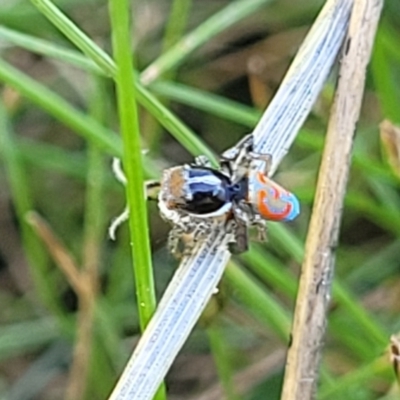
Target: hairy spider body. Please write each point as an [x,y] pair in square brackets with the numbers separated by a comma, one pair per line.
[195,198]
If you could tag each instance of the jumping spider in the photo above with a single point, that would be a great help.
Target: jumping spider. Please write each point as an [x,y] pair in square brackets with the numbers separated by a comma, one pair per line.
[196,197]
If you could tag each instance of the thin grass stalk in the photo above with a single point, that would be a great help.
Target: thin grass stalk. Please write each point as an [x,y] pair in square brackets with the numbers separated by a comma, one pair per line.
[209,102]
[50,157]
[76,35]
[218,22]
[271,313]
[176,23]
[220,350]
[383,80]
[79,370]
[23,201]
[50,50]
[95,218]
[313,298]
[132,157]
[380,367]
[94,223]
[55,105]
[372,328]
[20,337]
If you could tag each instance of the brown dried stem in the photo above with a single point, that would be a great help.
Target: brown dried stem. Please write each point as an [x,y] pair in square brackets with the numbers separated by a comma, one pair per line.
[84,282]
[310,318]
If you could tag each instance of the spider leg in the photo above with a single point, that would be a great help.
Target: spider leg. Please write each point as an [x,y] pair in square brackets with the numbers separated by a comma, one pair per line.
[174,238]
[261,231]
[200,229]
[245,144]
[244,214]
[118,171]
[152,189]
[151,186]
[202,161]
[265,158]
[188,234]
[240,242]
[151,192]
[115,224]
[240,223]
[237,160]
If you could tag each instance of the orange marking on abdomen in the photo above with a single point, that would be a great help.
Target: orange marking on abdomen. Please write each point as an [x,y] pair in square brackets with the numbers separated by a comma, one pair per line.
[266,212]
[262,178]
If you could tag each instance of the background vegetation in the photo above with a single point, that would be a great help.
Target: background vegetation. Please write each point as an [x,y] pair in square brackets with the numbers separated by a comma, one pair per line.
[68,315]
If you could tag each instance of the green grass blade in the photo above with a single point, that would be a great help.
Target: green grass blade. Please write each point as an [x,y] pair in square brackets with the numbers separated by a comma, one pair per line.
[260,302]
[220,349]
[271,271]
[371,327]
[384,80]
[18,338]
[75,35]
[94,207]
[23,202]
[208,102]
[119,12]
[165,117]
[48,49]
[50,157]
[55,105]
[176,22]
[218,22]
[357,378]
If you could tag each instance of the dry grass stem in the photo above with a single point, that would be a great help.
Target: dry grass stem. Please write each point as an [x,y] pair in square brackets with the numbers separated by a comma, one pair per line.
[301,373]
[57,250]
[84,283]
[395,355]
[390,138]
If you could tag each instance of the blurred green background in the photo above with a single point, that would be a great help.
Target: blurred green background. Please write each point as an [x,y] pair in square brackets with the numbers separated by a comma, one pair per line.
[58,124]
